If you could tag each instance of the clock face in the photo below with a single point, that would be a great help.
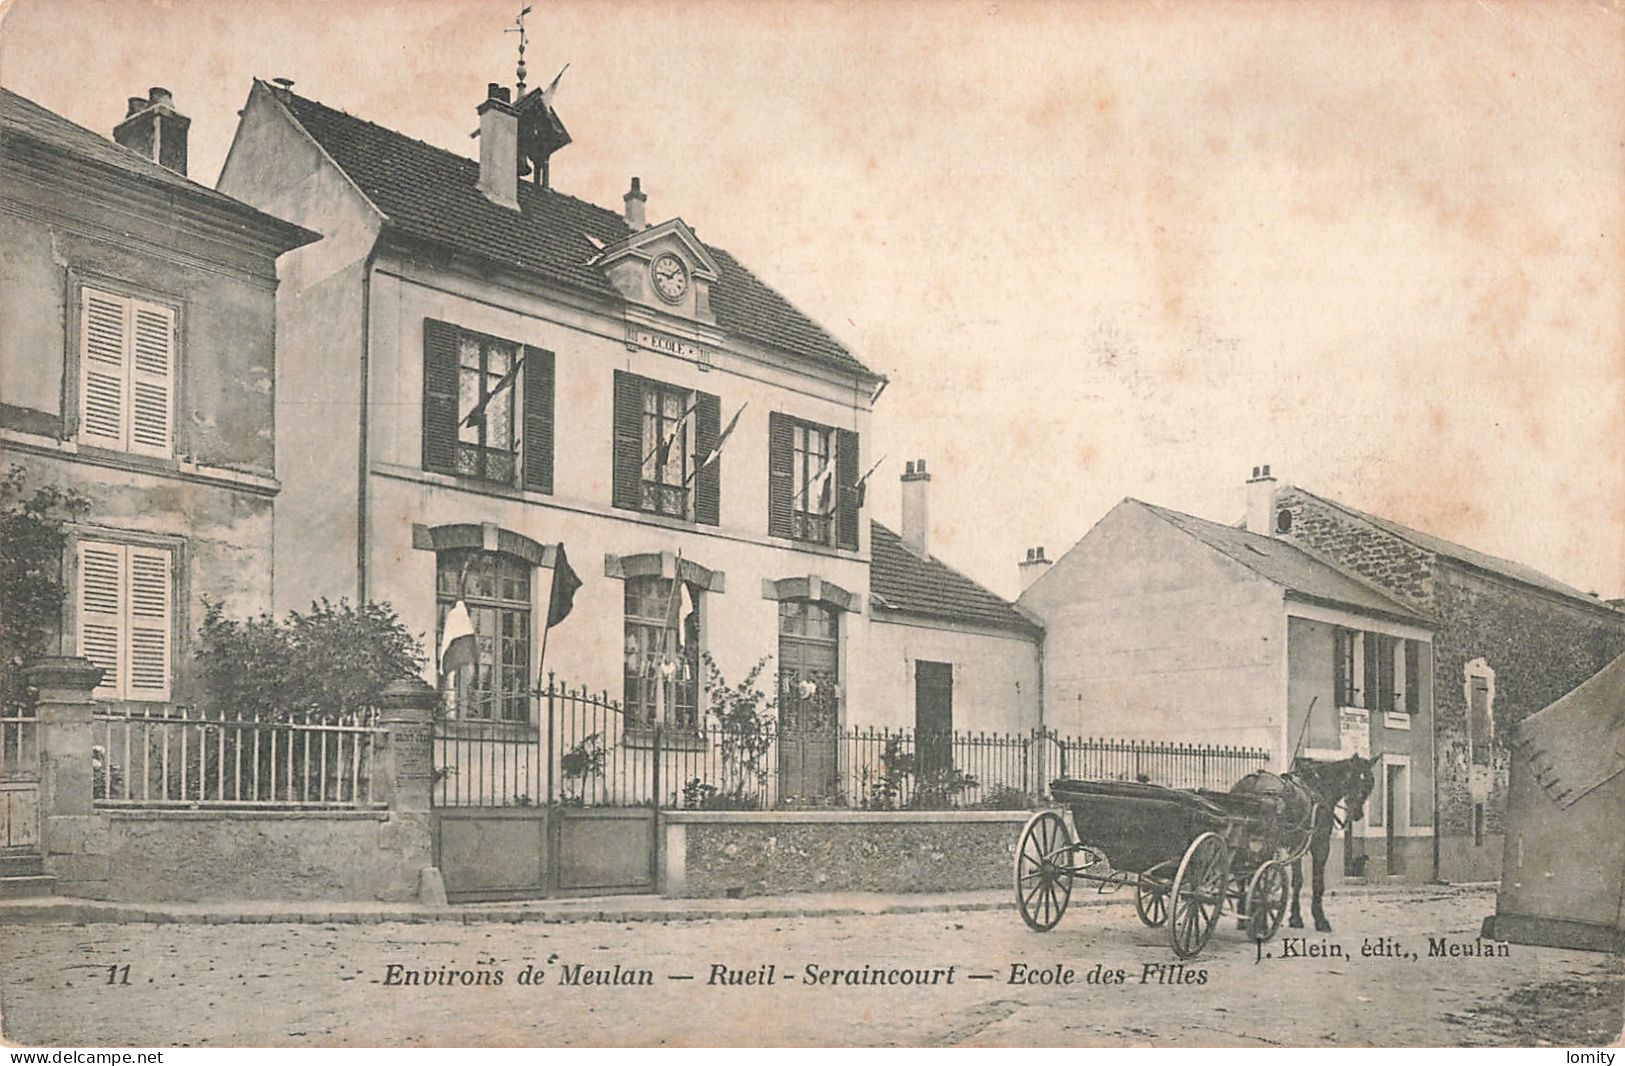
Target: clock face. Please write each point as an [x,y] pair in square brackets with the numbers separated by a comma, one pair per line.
[670,277]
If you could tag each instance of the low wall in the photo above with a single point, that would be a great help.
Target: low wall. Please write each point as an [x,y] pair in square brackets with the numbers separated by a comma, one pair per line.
[191,856]
[751,853]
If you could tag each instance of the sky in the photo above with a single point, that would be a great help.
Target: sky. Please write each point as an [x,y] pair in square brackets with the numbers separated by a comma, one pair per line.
[1099,250]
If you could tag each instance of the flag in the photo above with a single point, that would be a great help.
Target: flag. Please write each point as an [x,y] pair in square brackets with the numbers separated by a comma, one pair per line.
[457,647]
[716,450]
[478,411]
[663,448]
[819,487]
[547,93]
[563,595]
[862,487]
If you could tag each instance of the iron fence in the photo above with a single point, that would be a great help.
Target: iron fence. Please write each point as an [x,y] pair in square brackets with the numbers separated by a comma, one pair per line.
[581,748]
[178,756]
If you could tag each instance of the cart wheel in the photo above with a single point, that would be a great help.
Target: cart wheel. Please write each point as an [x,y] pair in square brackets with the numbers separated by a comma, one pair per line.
[1044,870]
[1151,898]
[1198,894]
[1265,903]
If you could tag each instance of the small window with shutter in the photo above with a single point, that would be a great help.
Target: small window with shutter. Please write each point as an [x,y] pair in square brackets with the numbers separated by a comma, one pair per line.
[666,458]
[126,373]
[812,482]
[125,610]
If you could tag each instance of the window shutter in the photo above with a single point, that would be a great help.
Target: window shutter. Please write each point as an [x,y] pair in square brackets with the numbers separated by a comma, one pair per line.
[708,482]
[538,431]
[1372,684]
[781,447]
[1342,656]
[439,396]
[152,379]
[147,675]
[1413,676]
[102,636]
[846,483]
[627,489]
[1385,673]
[103,349]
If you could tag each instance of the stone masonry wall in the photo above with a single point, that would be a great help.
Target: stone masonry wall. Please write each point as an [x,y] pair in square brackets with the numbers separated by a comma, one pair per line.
[1404,570]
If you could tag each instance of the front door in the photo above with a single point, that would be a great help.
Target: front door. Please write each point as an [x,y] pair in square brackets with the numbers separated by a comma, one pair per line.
[934,719]
[1393,810]
[809,702]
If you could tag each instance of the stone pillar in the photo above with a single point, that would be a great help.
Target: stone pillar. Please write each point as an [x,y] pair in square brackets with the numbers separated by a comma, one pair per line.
[73,841]
[407,779]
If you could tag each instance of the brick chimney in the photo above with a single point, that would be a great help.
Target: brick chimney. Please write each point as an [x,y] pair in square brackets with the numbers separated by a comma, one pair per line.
[1033,567]
[1261,502]
[635,216]
[153,129]
[917,508]
[499,148]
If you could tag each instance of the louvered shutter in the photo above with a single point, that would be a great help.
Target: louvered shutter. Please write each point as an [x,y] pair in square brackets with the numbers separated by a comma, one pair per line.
[147,673]
[152,378]
[1373,656]
[102,634]
[708,482]
[1342,657]
[1413,676]
[439,396]
[626,488]
[104,332]
[781,448]
[538,432]
[846,482]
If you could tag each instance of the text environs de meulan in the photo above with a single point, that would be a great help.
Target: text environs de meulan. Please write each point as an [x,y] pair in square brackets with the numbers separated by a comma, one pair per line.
[580,974]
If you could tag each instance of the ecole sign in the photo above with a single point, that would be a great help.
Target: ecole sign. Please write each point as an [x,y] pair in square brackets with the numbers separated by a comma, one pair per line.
[666,344]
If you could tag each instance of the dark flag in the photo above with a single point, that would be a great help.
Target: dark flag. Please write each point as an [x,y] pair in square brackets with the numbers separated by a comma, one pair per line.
[563,596]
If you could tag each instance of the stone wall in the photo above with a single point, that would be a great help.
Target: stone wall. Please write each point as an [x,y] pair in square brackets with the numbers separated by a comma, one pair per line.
[207,856]
[753,853]
[1399,567]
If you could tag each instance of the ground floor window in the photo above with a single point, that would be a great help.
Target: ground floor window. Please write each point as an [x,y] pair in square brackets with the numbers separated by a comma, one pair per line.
[496,588]
[662,652]
[124,604]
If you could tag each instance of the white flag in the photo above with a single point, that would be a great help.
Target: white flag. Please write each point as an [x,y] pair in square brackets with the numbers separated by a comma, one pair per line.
[457,648]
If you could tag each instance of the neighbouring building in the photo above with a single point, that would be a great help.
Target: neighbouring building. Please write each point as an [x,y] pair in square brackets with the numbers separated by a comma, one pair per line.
[1563,876]
[137,367]
[1508,641]
[1162,626]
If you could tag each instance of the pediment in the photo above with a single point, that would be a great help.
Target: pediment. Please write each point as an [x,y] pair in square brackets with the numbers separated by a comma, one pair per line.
[664,268]
[650,242]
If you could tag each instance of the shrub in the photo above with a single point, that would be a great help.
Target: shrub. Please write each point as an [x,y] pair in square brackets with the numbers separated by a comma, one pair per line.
[33,536]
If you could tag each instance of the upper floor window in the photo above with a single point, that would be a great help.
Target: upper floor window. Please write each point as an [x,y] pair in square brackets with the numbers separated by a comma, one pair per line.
[662,652]
[124,607]
[126,373]
[1376,672]
[813,493]
[496,589]
[663,435]
[487,408]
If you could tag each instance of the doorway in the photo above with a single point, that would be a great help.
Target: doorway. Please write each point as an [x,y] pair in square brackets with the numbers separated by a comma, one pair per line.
[1394,808]
[809,702]
[934,719]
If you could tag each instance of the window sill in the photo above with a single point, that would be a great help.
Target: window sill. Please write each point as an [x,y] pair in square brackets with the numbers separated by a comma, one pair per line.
[1396,720]
[672,738]
[176,467]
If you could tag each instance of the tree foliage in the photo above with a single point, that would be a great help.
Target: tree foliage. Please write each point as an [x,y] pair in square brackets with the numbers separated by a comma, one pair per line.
[333,659]
[33,537]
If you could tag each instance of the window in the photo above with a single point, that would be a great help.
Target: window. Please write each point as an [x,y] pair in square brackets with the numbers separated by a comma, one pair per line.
[812,493]
[1480,720]
[1377,672]
[124,609]
[496,588]
[1343,658]
[813,469]
[126,373]
[668,449]
[487,408]
[486,372]
[662,671]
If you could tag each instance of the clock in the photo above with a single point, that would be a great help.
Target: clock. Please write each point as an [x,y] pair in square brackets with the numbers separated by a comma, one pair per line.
[670,275]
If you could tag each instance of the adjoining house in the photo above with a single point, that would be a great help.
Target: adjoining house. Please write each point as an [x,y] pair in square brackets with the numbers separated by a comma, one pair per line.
[1563,875]
[1163,626]
[136,367]
[1509,640]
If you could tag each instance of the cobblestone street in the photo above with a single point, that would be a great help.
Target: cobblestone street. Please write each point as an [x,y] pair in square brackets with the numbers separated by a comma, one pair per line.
[326,985]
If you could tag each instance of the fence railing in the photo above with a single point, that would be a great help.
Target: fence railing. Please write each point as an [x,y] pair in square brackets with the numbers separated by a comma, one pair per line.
[582,749]
[19,753]
[186,757]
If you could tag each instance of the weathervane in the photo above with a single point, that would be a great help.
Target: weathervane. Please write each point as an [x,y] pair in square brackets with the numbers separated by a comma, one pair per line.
[519,28]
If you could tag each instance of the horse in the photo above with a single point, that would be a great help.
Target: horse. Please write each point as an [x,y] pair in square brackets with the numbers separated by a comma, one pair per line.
[1349,781]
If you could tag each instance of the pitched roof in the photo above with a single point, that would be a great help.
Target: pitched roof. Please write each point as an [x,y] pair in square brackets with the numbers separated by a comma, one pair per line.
[1287,565]
[900,580]
[430,194]
[22,117]
[1578,743]
[1528,575]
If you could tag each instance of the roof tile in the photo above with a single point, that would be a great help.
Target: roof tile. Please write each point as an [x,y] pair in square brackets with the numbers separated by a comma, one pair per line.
[903,581]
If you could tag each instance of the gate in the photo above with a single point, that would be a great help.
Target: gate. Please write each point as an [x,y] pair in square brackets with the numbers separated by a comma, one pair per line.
[563,803]
[19,785]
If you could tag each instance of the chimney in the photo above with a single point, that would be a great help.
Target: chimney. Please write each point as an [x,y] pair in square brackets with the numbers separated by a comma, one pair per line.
[499,148]
[1261,502]
[634,206]
[917,508]
[1033,567]
[154,130]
